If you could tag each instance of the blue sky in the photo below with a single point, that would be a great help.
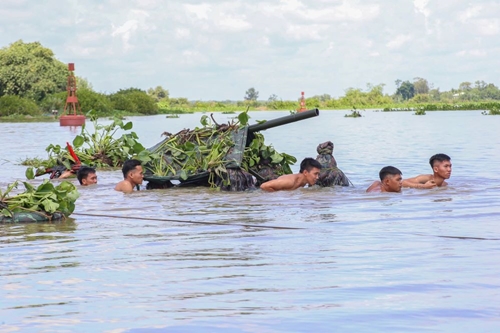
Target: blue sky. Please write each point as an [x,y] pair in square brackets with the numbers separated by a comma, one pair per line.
[216,50]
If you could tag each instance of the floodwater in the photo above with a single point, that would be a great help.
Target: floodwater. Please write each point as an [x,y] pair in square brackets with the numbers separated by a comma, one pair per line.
[420,261]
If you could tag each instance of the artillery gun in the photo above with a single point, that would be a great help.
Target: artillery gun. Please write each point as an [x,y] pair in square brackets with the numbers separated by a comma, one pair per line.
[240,138]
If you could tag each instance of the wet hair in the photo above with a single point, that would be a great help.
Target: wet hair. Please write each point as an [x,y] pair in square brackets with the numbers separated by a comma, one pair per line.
[389,171]
[84,172]
[308,164]
[439,158]
[129,165]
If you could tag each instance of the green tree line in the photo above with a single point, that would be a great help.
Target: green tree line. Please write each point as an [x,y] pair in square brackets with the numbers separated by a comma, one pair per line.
[33,82]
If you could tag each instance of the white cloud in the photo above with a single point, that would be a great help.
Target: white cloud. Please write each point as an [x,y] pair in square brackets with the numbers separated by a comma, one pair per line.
[421,7]
[303,32]
[398,41]
[488,26]
[469,13]
[233,23]
[182,33]
[346,11]
[125,31]
[192,57]
[472,53]
[200,11]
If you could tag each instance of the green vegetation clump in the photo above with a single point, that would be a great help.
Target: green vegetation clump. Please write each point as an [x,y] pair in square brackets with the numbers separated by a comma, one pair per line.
[354,114]
[99,148]
[14,105]
[492,112]
[134,100]
[30,70]
[53,102]
[45,198]
[91,100]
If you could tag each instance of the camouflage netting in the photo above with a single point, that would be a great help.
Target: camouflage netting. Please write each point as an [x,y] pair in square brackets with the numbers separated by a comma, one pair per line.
[330,174]
[32,217]
[236,180]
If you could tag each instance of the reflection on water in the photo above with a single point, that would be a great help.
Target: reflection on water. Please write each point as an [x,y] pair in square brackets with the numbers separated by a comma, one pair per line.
[415,261]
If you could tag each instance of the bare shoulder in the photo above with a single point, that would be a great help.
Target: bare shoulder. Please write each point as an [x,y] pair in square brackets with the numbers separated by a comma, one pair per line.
[124,186]
[375,187]
[285,182]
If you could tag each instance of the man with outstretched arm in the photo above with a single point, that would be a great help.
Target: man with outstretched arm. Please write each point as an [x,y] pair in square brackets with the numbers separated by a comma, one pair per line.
[132,176]
[441,167]
[308,174]
[391,180]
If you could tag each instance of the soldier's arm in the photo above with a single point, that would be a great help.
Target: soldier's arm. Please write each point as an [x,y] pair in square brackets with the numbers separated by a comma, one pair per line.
[422,181]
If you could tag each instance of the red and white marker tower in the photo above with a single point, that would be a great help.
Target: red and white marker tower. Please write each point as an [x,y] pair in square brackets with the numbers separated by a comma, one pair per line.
[302,104]
[70,116]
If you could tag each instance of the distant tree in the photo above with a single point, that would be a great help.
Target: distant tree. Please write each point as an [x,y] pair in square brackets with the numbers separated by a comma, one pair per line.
[398,83]
[480,84]
[375,90]
[491,92]
[420,85]
[406,90]
[251,94]
[323,98]
[435,94]
[30,70]
[272,98]
[158,93]
[83,83]
[465,86]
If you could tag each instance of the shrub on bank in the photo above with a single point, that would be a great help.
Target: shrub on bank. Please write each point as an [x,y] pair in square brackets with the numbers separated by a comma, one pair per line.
[91,100]
[134,100]
[53,102]
[10,105]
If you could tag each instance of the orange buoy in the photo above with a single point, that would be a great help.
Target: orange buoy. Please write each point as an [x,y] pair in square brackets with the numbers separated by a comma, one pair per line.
[72,120]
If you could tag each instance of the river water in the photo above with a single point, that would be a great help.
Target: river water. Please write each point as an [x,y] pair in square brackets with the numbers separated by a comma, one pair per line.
[422,260]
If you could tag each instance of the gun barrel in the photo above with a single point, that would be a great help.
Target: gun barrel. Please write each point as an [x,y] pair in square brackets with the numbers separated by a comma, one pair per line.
[283,120]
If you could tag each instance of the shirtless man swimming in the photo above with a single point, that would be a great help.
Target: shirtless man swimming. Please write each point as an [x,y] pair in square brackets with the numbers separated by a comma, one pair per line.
[391,180]
[133,176]
[308,174]
[441,166]
[86,176]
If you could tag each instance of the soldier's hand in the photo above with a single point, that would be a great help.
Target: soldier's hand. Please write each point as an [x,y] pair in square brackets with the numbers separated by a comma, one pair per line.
[430,184]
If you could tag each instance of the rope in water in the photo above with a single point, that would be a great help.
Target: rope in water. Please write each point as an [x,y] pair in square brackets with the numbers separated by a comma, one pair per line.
[184,221]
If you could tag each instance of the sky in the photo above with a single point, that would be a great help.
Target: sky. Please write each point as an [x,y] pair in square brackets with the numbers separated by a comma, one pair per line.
[217,50]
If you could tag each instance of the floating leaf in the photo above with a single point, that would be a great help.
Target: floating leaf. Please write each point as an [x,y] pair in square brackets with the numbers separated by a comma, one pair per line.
[78,141]
[204,120]
[30,173]
[128,126]
[243,118]
[50,206]
[6,212]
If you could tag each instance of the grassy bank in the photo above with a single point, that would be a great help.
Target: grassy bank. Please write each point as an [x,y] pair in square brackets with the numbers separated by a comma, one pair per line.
[17,118]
